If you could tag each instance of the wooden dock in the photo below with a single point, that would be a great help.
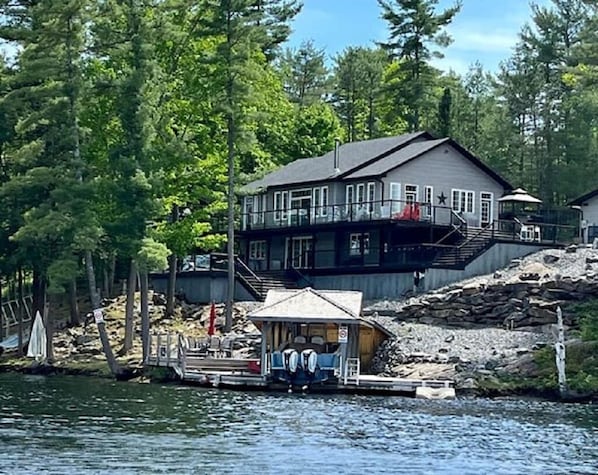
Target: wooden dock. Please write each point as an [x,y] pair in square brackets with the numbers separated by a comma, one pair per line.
[210,369]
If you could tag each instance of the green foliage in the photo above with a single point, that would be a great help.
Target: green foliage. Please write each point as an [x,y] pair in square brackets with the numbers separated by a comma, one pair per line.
[152,256]
[588,319]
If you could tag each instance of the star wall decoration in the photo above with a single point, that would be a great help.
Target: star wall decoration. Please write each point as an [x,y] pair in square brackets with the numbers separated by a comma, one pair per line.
[441,199]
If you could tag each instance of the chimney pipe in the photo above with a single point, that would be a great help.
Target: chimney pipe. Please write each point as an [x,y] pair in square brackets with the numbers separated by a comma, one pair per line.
[337,143]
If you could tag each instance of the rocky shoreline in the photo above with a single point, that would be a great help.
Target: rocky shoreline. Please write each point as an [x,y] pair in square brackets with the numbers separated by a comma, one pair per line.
[479,333]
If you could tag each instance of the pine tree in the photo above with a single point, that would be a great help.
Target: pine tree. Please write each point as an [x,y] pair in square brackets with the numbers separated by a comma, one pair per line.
[414,27]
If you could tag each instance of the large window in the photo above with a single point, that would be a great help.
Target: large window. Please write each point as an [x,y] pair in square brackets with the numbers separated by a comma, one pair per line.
[349,196]
[257,250]
[462,201]
[281,205]
[395,197]
[320,201]
[371,196]
[359,243]
[259,209]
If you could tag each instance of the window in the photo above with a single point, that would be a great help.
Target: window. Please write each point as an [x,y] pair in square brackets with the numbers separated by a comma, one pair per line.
[359,243]
[371,196]
[257,250]
[462,201]
[395,197]
[428,200]
[349,196]
[411,193]
[320,201]
[281,204]
[360,193]
[486,200]
[259,208]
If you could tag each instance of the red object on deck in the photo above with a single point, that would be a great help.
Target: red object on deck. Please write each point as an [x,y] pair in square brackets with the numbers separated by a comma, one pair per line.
[212,319]
[254,366]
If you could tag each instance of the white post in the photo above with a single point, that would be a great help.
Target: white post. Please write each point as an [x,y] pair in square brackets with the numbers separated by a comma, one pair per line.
[559,347]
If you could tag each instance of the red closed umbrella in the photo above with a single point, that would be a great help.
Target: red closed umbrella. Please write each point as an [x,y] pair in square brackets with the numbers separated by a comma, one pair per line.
[212,319]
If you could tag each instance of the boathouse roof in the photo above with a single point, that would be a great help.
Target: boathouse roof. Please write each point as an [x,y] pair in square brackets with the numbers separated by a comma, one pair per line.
[313,306]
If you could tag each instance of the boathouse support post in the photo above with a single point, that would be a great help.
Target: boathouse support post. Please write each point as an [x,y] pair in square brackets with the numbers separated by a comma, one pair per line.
[264,356]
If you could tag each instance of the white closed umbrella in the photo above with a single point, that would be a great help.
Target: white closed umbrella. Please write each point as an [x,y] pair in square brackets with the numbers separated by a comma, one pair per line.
[37,339]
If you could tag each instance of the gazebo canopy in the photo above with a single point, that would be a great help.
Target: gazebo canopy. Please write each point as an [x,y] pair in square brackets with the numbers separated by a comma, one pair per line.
[519,195]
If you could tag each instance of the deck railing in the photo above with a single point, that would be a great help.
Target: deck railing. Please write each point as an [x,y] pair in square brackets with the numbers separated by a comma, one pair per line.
[397,210]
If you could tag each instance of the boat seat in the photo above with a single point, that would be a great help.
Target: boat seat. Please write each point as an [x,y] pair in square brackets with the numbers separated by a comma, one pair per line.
[317,340]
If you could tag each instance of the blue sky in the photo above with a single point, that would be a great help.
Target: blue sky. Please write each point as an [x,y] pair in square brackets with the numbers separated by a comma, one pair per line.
[484,30]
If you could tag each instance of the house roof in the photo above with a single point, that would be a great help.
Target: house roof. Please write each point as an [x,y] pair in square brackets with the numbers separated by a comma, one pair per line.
[350,156]
[583,198]
[394,160]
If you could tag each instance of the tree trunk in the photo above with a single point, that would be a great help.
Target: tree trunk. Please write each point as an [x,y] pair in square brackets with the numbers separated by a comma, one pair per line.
[20,316]
[130,308]
[230,247]
[111,274]
[73,304]
[99,318]
[145,323]
[49,322]
[172,265]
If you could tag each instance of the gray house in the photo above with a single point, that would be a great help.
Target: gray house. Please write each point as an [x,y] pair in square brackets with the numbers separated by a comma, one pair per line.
[371,212]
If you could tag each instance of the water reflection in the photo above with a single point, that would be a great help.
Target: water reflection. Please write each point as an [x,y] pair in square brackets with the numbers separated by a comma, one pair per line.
[81,425]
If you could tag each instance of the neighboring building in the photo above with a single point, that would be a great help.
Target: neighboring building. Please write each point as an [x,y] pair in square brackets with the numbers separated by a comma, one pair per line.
[588,204]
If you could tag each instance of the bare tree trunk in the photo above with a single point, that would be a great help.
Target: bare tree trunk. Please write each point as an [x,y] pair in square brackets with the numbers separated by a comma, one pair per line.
[49,322]
[20,317]
[230,294]
[73,304]
[130,308]
[99,318]
[105,279]
[111,274]
[172,265]
[145,323]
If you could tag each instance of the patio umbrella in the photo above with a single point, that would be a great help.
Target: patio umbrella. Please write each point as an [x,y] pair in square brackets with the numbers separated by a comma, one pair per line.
[212,319]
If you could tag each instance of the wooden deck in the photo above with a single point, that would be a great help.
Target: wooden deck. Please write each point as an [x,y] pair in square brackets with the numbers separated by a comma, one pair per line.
[215,371]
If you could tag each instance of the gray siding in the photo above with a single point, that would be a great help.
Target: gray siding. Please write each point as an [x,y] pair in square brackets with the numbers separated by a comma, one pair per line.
[395,285]
[201,287]
[445,169]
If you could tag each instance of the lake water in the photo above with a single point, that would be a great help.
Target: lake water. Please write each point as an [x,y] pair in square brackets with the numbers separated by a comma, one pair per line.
[68,425]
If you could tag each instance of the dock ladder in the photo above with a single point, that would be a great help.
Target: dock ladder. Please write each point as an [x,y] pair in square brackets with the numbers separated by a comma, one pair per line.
[352,370]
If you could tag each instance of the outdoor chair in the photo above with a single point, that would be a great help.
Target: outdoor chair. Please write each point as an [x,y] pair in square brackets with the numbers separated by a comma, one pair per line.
[214,350]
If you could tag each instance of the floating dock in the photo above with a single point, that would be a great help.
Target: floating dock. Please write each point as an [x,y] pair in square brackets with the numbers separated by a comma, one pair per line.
[198,366]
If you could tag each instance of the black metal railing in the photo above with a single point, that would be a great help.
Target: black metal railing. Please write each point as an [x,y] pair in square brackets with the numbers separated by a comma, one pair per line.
[395,210]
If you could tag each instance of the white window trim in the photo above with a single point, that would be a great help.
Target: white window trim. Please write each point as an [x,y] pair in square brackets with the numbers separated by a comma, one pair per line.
[429,200]
[395,201]
[371,195]
[487,196]
[462,201]
[280,205]
[408,193]
[349,197]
